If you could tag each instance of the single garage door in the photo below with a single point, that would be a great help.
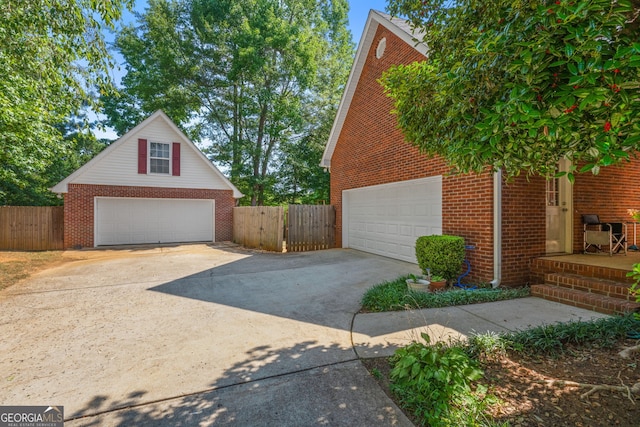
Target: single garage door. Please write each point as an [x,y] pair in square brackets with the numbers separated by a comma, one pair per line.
[387,219]
[121,221]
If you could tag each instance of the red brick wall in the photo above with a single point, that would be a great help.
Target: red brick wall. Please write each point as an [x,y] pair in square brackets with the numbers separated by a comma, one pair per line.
[467,211]
[79,203]
[523,227]
[371,151]
[608,194]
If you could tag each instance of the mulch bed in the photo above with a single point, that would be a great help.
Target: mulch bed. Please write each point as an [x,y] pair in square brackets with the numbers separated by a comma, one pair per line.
[526,398]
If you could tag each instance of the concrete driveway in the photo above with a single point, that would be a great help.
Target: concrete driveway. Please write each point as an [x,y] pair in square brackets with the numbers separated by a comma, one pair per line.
[195,335]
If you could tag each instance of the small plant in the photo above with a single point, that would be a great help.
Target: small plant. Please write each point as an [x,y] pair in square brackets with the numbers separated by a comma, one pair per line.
[375,372]
[440,255]
[394,295]
[635,288]
[434,382]
[487,346]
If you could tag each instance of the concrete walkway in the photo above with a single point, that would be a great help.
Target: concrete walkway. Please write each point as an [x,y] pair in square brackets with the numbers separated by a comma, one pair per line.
[380,334]
[202,335]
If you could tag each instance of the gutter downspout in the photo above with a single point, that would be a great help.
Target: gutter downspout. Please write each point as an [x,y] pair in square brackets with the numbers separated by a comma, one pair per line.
[497,228]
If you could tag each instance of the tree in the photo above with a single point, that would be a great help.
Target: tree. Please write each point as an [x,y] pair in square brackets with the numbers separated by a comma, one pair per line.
[52,55]
[247,78]
[518,85]
[81,145]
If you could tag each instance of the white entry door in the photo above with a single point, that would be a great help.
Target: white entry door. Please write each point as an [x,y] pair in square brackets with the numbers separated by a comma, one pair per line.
[121,221]
[387,219]
[559,221]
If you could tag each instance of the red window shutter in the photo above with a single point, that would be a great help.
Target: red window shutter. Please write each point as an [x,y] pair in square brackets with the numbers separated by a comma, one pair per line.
[176,159]
[142,156]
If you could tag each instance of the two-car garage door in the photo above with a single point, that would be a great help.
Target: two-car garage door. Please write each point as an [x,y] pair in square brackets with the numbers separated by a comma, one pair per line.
[387,219]
[120,221]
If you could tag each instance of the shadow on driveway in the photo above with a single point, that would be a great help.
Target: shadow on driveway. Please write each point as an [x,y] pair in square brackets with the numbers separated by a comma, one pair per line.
[338,394]
[323,288]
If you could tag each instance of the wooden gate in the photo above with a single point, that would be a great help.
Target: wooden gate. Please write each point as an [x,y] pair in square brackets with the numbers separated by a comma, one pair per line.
[311,227]
[31,228]
[259,227]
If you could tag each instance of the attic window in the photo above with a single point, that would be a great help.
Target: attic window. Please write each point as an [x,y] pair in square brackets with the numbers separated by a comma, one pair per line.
[382,44]
[159,158]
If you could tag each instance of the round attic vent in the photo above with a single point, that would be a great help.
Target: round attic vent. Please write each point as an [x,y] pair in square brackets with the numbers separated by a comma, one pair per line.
[382,44]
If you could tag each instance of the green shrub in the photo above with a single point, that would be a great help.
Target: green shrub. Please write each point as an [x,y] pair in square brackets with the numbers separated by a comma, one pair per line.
[442,255]
[434,382]
[635,288]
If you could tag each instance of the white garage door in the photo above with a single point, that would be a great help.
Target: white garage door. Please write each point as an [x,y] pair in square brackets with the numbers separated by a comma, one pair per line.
[387,219]
[120,221]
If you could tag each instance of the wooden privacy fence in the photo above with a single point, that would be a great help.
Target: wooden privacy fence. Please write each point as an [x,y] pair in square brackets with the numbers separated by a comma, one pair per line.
[31,228]
[259,227]
[308,227]
[311,227]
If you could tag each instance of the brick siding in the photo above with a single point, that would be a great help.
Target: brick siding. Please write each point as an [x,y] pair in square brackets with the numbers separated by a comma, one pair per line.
[371,151]
[79,208]
[608,194]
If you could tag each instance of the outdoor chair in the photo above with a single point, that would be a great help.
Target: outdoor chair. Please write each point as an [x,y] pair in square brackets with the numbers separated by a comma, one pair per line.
[599,235]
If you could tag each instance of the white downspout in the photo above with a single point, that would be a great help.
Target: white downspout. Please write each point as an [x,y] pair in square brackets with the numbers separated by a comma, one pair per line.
[497,228]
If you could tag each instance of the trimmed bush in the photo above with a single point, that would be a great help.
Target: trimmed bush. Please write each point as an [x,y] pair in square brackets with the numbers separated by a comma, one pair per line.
[442,255]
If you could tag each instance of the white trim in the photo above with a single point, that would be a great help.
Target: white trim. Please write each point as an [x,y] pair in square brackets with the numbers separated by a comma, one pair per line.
[63,186]
[170,171]
[497,228]
[397,26]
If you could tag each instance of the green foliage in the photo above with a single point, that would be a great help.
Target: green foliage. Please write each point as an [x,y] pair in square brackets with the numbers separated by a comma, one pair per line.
[394,295]
[441,255]
[53,54]
[257,80]
[635,288]
[487,346]
[519,85]
[434,382]
[552,339]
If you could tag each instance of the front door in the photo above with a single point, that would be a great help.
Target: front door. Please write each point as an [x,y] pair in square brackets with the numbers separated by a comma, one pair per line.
[558,216]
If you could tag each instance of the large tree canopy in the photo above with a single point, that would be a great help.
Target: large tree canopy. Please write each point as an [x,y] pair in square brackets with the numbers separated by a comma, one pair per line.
[256,80]
[518,85]
[52,55]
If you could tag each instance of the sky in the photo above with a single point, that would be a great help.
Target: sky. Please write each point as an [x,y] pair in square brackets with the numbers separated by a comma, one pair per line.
[358,12]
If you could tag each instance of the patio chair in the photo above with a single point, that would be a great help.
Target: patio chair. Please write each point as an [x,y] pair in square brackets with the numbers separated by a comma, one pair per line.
[598,235]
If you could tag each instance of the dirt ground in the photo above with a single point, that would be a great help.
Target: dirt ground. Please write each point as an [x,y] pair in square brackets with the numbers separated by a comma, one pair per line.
[527,401]
[16,266]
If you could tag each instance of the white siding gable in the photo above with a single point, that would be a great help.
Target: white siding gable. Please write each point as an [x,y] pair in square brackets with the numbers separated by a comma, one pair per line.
[118,164]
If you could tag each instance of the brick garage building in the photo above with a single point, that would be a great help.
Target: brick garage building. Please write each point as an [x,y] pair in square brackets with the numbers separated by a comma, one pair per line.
[153,185]
[387,193]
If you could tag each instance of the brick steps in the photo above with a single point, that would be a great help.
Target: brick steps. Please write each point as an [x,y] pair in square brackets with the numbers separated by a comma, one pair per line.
[609,288]
[594,288]
[582,299]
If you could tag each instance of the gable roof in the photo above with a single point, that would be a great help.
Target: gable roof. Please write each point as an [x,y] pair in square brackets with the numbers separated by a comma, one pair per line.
[398,26]
[62,186]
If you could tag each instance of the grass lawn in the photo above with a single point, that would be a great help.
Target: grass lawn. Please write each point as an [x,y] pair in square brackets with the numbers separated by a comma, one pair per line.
[18,265]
